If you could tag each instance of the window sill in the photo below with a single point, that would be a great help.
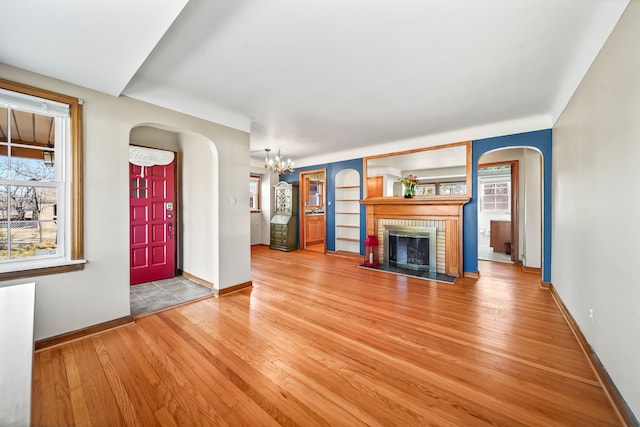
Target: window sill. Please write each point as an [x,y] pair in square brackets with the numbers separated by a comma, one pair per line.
[40,268]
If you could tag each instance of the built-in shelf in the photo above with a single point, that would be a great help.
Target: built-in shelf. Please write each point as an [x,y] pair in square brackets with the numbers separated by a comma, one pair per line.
[347,205]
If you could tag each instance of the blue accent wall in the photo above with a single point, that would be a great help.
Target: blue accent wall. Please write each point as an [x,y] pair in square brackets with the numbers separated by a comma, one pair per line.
[540,140]
[330,213]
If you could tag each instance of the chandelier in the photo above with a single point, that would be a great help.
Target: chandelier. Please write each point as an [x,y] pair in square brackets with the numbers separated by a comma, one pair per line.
[278,165]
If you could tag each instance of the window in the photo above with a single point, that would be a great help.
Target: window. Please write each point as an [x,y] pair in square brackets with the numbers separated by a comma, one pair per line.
[254,193]
[452,188]
[496,196]
[40,195]
[426,190]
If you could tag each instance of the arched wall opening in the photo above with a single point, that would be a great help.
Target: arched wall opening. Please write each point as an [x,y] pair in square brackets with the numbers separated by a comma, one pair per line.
[537,140]
[348,193]
[197,246]
[514,174]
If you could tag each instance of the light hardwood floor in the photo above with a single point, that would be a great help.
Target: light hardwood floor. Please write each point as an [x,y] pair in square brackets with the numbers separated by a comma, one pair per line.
[320,341]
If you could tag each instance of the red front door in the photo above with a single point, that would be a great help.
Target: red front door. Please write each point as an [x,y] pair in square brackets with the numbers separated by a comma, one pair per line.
[152,222]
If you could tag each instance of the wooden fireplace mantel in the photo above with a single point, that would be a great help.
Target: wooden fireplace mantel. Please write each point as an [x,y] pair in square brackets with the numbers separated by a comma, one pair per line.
[443,208]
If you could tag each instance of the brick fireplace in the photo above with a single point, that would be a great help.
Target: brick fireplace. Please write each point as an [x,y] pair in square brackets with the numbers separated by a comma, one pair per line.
[442,213]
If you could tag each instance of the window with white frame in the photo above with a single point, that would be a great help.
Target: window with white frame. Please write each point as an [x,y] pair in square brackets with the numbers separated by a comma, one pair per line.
[254,193]
[496,196]
[36,195]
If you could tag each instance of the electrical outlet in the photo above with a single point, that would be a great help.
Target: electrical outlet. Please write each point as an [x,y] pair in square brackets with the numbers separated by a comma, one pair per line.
[591,314]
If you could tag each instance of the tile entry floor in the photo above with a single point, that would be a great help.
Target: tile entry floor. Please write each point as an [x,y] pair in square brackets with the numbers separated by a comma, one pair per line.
[161,294]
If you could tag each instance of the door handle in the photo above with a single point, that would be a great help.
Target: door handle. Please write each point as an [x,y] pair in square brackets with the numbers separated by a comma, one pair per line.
[170,227]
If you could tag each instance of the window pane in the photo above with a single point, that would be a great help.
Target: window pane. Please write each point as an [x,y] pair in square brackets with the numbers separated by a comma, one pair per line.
[31,169]
[4,252]
[30,215]
[4,135]
[254,193]
[27,137]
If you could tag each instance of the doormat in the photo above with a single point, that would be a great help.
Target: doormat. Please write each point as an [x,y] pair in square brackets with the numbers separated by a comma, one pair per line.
[414,273]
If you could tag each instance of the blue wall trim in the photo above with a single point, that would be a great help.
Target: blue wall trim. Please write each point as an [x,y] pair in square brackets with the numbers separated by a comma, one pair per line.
[330,213]
[540,140]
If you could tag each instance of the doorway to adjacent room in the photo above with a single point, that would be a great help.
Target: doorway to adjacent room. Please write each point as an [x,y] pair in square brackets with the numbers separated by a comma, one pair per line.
[313,228]
[498,211]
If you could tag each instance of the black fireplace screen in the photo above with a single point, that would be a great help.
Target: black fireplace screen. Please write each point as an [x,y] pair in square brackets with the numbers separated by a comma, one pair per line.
[409,252]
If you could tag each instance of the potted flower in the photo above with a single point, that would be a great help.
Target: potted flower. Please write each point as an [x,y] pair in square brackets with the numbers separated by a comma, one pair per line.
[409,184]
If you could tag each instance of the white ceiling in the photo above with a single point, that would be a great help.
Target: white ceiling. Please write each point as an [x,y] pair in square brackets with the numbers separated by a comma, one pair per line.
[314,77]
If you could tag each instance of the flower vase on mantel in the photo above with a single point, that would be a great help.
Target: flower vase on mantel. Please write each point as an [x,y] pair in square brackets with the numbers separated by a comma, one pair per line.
[409,184]
[409,191]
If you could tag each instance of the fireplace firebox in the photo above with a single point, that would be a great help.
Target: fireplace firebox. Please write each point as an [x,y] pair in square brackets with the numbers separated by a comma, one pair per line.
[411,248]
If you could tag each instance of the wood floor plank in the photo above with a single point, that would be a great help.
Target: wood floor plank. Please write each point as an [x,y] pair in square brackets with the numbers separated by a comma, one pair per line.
[54,408]
[239,368]
[125,405]
[76,390]
[183,398]
[319,341]
[98,393]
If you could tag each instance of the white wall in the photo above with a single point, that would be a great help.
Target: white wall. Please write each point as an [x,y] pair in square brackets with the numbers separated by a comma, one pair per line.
[596,153]
[148,136]
[531,207]
[529,200]
[199,216]
[71,301]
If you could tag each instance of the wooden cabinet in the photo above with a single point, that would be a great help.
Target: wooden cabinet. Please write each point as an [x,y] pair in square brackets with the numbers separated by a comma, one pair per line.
[500,236]
[375,186]
[284,224]
[315,229]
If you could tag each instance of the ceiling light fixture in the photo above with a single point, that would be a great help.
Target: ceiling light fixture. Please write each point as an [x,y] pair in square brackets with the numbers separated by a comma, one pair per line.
[278,165]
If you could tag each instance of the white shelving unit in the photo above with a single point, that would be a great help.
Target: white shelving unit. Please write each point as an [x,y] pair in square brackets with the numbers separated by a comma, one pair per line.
[347,205]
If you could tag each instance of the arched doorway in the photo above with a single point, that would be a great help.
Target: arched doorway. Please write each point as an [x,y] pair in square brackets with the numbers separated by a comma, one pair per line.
[510,206]
[192,275]
[537,140]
